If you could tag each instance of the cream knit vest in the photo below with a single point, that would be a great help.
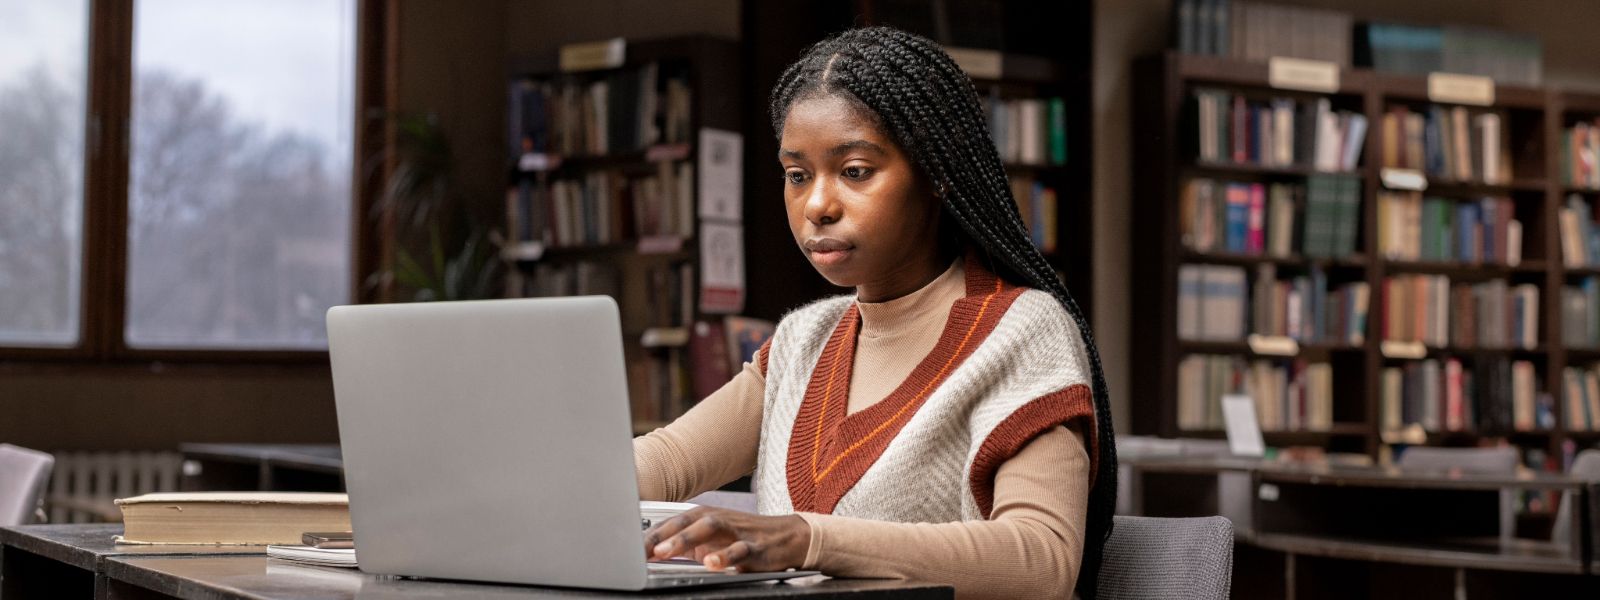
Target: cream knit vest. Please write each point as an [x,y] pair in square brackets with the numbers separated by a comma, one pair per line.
[1029,373]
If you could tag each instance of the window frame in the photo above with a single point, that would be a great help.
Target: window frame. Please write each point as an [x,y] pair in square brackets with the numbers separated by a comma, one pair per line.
[102,305]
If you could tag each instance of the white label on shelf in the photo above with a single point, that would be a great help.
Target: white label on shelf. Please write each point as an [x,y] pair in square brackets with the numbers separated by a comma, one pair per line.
[1460,89]
[1398,349]
[1273,345]
[538,161]
[1267,492]
[523,251]
[666,152]
[588,56]
[660,244]
[1244,431]
[1404,179]
[977,62]
[665,337]
[1301,74]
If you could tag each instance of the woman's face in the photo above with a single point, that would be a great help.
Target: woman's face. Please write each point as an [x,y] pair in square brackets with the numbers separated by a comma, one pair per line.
[856,205]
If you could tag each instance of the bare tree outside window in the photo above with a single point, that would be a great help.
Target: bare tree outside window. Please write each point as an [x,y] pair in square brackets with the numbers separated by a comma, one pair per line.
[239,182]
[43,56]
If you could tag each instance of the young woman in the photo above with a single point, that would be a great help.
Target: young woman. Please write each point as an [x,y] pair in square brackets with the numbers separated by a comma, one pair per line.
[948,421]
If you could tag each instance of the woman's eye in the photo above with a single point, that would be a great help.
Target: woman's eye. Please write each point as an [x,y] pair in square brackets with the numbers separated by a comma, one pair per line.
[855,172]
[795,177]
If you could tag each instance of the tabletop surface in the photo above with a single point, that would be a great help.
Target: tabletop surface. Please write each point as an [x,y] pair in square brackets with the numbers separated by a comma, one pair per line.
[80,545]
[258,577]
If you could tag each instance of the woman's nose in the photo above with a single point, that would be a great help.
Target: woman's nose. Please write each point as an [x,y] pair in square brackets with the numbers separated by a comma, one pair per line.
[822,204]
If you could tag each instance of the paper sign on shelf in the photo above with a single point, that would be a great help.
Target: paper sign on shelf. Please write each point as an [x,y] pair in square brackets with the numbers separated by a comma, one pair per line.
[1244,431]
[721,267]
[721,174]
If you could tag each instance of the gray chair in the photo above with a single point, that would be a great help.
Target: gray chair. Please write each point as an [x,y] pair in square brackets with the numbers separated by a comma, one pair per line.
[23,475]
[1487,461]
[1167,558]
[1586,466]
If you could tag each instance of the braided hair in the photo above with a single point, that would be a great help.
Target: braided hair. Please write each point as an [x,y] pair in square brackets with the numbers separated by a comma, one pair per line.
[928,106]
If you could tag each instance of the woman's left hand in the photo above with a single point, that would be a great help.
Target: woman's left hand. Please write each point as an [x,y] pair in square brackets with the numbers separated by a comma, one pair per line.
[722,538]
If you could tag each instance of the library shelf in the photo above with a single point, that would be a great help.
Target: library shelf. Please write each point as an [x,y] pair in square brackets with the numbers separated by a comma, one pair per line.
[533,163]
[1290,437]
[1463,270]
[1164,128]
[1354,261]
[1243,348]
[1227,168]
[1459,187]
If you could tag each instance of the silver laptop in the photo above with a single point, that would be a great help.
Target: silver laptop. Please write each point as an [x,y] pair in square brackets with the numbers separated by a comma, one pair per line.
[491,441]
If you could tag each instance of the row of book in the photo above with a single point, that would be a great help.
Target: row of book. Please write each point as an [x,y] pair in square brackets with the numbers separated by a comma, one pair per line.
[1413,227]
[1278,132]
[1212,303]
[1028,131]
[1257,31]
[1491,394]
[1289,395]
[1580,155]
[1580,235]
[1037,204]
[1491,314]
[1580,314]
[1448,142]
[1503,56]
[621,111]
[1305,309]
[604,207]
[1318,219]
[1580,387]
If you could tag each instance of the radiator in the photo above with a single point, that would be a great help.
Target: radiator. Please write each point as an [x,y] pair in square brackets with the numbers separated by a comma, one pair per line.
[84,484]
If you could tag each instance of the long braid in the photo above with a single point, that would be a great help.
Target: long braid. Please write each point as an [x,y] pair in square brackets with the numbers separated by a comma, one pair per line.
[929,106]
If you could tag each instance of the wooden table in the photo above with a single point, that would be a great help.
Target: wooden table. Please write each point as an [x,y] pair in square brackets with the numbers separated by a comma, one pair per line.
[1330,531]
[78,561]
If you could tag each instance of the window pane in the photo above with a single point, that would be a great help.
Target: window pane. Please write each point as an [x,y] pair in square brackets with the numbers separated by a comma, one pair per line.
[43,57]
[239,182]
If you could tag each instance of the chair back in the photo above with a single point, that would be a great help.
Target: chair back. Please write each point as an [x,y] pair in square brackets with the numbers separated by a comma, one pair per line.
[23,475]
[1149,557]
[1488,461]
[1586,466]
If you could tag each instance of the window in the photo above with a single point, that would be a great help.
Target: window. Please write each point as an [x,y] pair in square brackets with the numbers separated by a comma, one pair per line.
[176,175]
[43,84]
[239,172]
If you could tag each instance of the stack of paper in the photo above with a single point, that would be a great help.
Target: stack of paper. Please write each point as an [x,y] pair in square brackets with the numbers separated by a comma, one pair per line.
[327,557]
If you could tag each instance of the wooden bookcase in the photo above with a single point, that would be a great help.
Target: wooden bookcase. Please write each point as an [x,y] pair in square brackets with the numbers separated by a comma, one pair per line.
[1164,122]
[711,69]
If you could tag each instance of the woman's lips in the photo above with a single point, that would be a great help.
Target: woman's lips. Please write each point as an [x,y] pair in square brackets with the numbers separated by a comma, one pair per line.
[827,251]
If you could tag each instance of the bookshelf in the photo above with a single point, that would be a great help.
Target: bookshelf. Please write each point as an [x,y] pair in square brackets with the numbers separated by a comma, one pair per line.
[1528,187]
[603,198]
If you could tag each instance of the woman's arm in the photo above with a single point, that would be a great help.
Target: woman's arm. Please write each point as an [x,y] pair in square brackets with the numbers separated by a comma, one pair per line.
[712,444]
[1030,548]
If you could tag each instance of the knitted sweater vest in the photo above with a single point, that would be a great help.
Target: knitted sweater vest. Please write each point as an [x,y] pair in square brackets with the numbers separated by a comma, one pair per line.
[1008,366]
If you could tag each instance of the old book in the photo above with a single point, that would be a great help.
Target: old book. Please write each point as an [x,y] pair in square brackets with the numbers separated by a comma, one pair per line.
[230,518]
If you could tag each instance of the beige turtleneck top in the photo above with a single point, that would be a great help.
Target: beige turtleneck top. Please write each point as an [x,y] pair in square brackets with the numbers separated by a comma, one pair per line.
[1030,547]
